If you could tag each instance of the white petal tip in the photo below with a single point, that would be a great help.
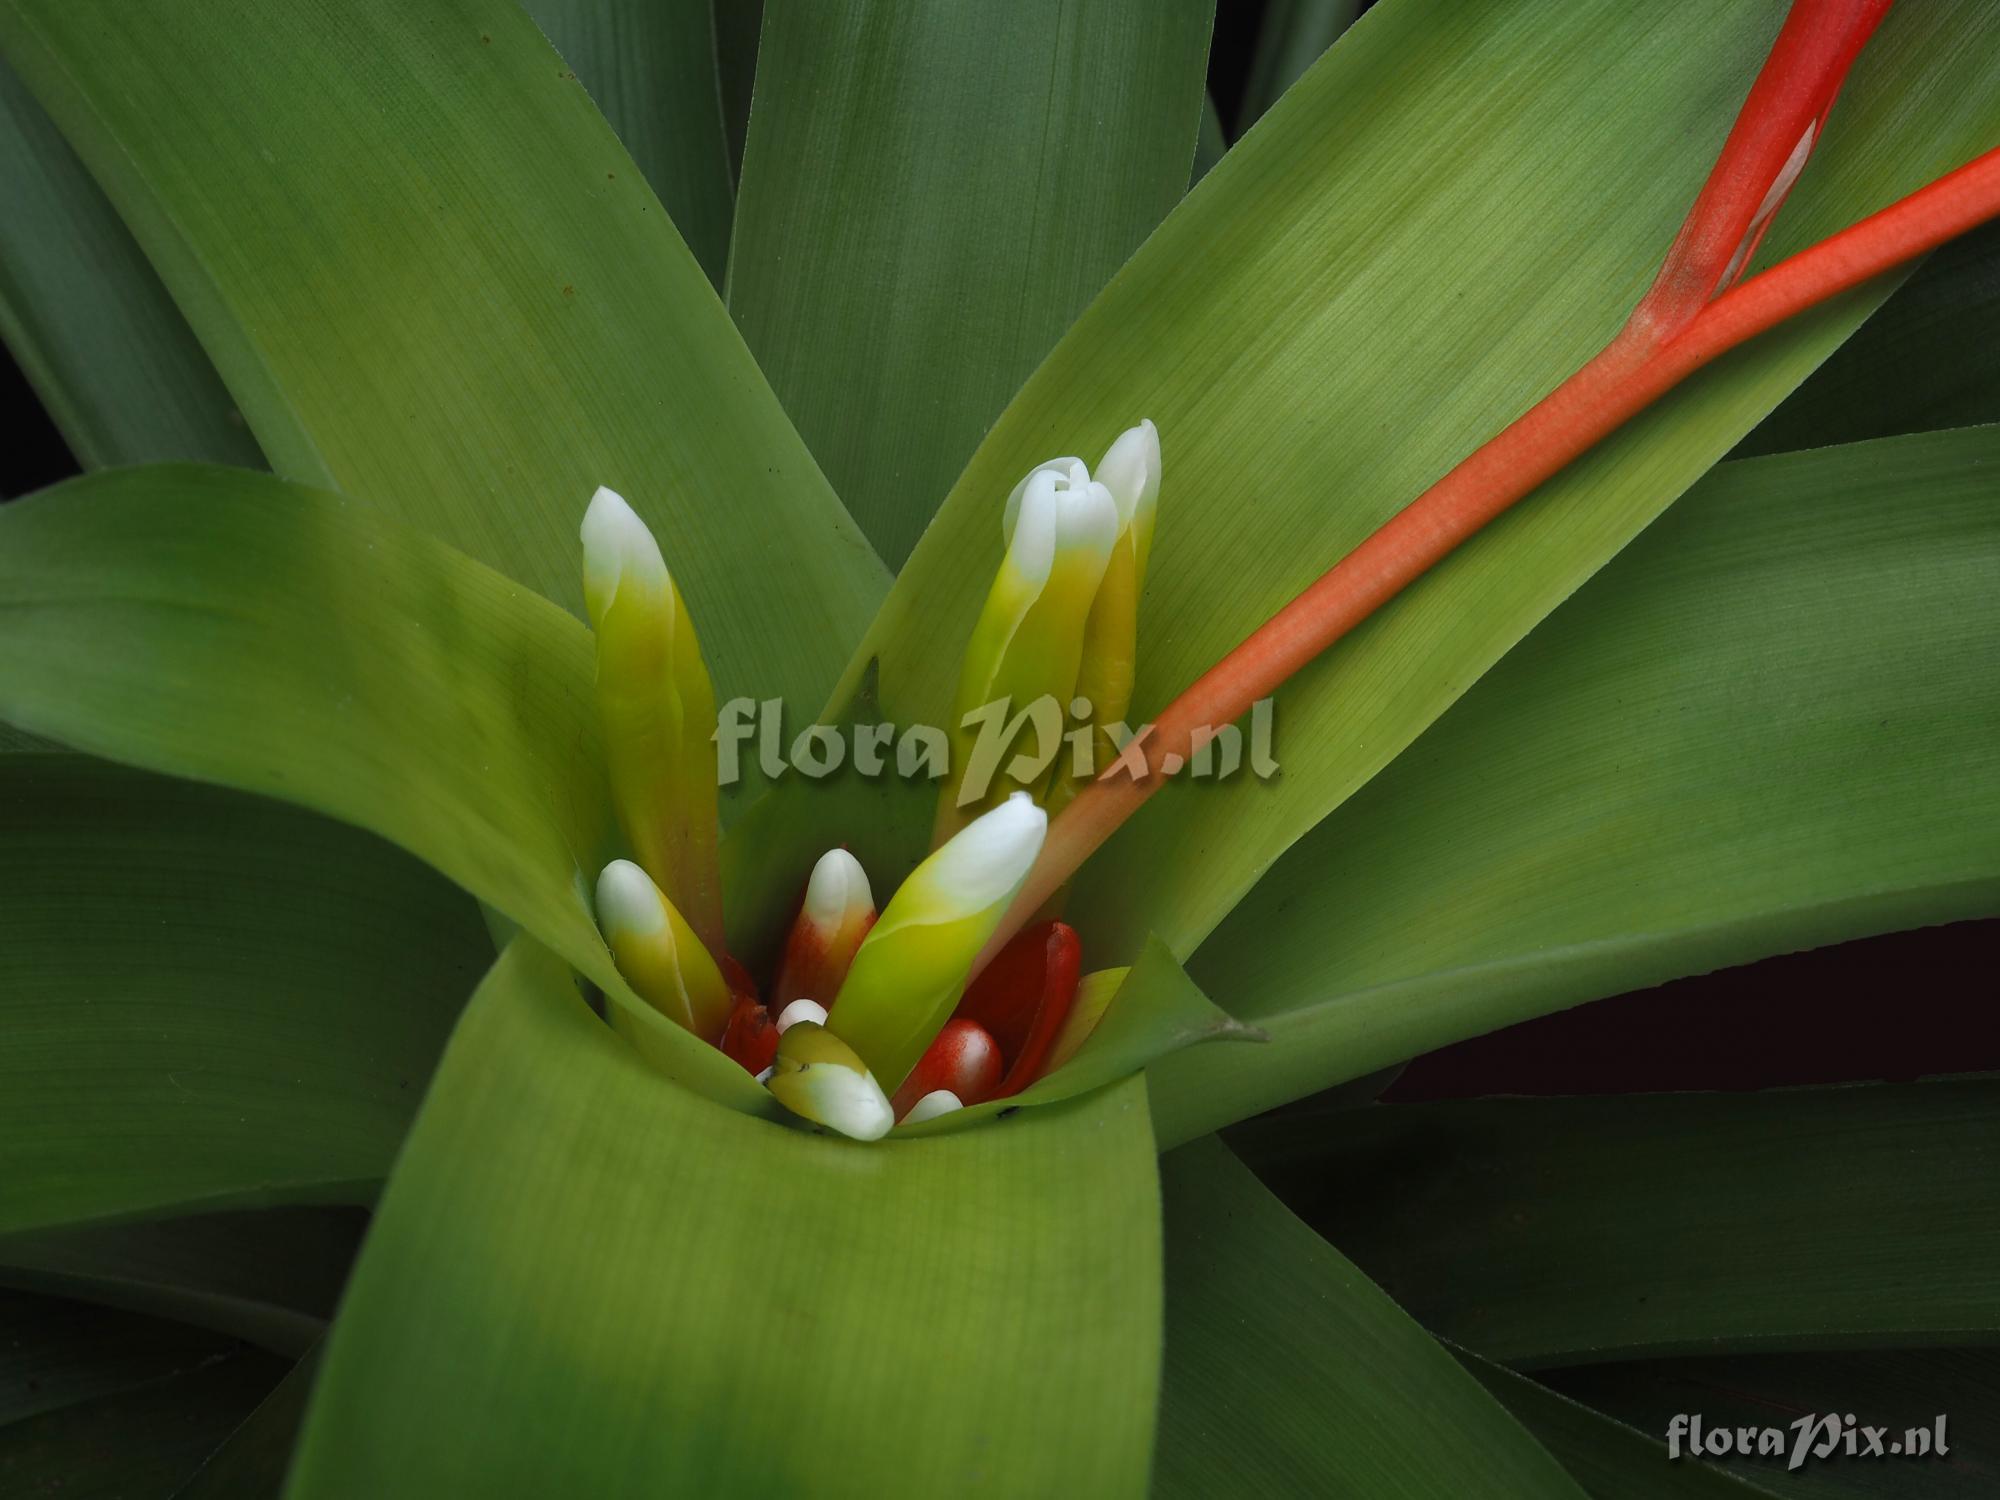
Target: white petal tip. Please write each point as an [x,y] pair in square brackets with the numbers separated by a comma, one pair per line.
[616,545]
[838,889]
[985,861]
[1130,469]
[936,1102]
[628,901]
[800,1010]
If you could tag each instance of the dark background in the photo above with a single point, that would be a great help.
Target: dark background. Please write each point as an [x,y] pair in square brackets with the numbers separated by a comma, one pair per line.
[1897,1007]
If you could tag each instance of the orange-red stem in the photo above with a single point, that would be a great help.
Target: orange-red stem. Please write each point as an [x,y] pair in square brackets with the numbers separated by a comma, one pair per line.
[1794,91]
[1648,358]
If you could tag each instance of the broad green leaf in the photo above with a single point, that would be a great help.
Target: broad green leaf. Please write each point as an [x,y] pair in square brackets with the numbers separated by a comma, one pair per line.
[92,327]
[1553,1231]
[932,191]
[207,998]
[269,1275]
[650,67]
[1288,1372]
[137,1443]
[432,277]
[1609,1459]
[236,628]
[1929,359]
[1444,218]
[1899,1390]
[254,1459]
[55,1352]
[1773,722]
[584,1281]
[1290,39]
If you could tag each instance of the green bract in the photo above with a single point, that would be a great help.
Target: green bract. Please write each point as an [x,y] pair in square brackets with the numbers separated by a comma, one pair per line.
[308,783]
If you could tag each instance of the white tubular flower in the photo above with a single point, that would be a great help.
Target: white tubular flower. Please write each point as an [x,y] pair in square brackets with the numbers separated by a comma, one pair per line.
[1060,526]
[1108,663]
[657,707]
[838,911]
[912,967]
[658,953]
[1130,469]
[818,1077]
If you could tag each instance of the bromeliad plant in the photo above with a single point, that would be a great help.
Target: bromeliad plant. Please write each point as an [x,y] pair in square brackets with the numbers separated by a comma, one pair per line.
[645,1257]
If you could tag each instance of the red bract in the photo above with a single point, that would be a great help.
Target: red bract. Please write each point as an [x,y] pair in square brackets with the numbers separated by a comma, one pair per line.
[1023,996]
[751,1037]
[964,1059]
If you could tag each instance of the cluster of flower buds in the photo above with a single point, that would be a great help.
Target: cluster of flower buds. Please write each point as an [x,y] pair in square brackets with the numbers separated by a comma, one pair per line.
[874,1020]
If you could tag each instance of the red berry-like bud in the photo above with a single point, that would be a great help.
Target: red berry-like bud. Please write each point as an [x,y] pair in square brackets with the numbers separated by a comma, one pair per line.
[964,1059]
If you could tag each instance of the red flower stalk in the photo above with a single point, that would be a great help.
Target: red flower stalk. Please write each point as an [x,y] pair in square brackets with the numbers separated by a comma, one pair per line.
[1686,319]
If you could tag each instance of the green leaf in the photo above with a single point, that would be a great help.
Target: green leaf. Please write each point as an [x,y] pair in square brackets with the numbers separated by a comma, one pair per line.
[208,998]
[1929,359]
[932,192]
[1365,289]
[55,1352]
[140,1442]
[650,67]
[1290,39]
[1898,1389]
[254,1459]
[1773,722]
[269,1276]
[433,278]
[1289,1373]
[1608,1458]
[582,1280]
[1550,1231]
[92,327]
[236,628]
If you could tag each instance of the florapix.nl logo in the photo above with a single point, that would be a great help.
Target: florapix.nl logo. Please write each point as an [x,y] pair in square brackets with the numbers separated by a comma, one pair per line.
[991,740]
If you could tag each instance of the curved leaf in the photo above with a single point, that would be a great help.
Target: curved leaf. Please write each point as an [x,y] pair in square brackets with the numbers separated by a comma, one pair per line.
[55,1352]
[431,276]
[139,1442]
[1608,1458]
[583,1280]
[1564,1231]
[1289,1373]
[932,192]
[650,67]
[1441,220]
[737,24]
[1773,722]
[207,998]
[1290,39]
[234,627]
[270,1276]
[253,1460]
[97,335]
